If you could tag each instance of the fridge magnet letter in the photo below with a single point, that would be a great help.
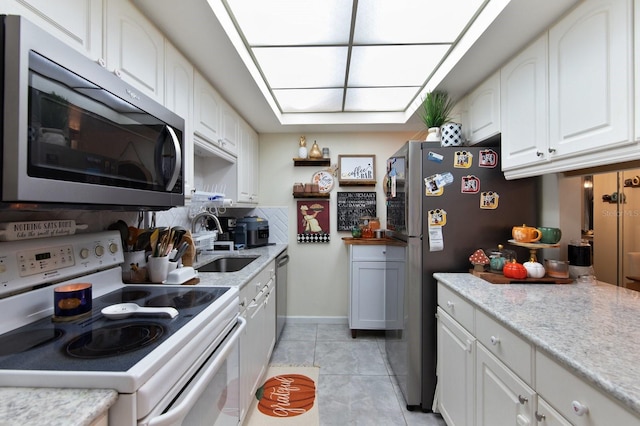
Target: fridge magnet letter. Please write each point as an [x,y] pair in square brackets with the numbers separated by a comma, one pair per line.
[437,217]
[470,184]
[489,200]
[432,156]
[462,160]
[431,187]
[488,158]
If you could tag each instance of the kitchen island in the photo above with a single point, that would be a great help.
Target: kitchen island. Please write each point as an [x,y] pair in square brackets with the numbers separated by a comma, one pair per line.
[588,330]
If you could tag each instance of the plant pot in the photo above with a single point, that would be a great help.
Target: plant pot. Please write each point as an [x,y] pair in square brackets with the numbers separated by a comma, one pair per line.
[451,134]
[433,134]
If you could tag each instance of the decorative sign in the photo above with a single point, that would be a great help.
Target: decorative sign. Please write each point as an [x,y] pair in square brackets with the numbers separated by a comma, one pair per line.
[313,221]
[357,169]
[354,205]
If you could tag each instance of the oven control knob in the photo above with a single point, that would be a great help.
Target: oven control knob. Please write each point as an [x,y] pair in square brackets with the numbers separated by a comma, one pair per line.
[99,250]
[113,248]
[84,253]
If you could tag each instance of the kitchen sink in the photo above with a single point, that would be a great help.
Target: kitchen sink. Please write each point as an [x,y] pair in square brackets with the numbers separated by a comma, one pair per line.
[227,264]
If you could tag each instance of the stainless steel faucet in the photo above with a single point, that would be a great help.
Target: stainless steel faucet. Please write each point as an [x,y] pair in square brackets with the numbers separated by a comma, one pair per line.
[199,216]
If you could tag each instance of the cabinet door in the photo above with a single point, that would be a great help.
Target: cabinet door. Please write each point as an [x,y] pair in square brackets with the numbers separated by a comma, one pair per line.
[501,397]
[524,107]
[230,122]
[367,296]
[394,295]
[484,110]
[547,416]
[456,372]
[78,23]
[270,322]
[246,383]
[590,78]
[179,99]
[206,110]
[134,49]
[247,165]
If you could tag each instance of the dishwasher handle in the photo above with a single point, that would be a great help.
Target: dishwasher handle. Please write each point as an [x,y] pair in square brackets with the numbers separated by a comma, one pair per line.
[283,260]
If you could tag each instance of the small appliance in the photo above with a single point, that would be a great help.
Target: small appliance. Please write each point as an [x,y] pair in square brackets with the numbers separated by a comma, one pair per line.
[252,231]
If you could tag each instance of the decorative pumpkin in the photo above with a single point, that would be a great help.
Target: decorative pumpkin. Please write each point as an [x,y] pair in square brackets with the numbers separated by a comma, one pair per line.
[534,269]
[286,395]
[514,270]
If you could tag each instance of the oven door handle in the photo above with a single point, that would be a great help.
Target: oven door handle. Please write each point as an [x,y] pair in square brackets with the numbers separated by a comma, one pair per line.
[177,413]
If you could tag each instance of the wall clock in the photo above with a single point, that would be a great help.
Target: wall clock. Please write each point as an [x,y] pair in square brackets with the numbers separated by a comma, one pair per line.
[324,179]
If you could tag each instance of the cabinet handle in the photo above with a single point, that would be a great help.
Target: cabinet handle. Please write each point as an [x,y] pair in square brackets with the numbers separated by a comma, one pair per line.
[495,340]
[449,304]
[522,399]
[101,62]
[540,417]
[469,347]
[552,150]
[578,408]
[117,72]
[539,154]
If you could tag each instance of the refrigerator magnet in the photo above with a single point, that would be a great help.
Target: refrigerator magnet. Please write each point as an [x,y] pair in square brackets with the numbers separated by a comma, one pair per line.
[462,160]
[437,217]
[470,184]
[489,200]
[432,156]
[488,158]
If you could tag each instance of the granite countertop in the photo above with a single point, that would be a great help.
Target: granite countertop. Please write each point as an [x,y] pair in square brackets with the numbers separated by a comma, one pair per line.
[266,254]
[53,406]
[78,407]
[591,329]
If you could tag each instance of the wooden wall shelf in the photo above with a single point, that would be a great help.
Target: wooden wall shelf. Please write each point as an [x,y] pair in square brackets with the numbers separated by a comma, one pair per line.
[357,182]
[311,195]
[311,161]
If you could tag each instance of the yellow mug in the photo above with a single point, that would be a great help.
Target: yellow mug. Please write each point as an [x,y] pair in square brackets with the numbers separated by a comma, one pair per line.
[526,234]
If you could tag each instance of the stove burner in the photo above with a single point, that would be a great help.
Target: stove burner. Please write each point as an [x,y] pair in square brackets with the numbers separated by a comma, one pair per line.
[23,341]
[114,340]
[125,295]
[179,300]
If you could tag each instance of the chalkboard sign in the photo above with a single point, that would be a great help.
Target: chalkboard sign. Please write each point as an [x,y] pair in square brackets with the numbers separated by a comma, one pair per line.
[354,205]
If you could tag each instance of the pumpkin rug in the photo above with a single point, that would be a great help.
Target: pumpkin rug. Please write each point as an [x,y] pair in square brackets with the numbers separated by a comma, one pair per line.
[287,397]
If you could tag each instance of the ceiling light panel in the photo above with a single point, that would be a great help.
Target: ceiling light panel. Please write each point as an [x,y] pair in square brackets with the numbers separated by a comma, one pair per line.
[379,98]
[302,67]
[412,21]
[393,65]
[293,22]
[309,100]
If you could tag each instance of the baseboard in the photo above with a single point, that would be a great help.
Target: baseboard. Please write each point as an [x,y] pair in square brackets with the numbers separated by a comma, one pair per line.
[317,320]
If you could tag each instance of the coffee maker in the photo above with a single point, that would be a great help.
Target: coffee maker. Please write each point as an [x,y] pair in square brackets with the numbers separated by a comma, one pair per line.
[228,225]
[580,259]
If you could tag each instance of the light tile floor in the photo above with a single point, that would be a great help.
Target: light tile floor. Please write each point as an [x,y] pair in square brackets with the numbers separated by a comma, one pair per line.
[354,387]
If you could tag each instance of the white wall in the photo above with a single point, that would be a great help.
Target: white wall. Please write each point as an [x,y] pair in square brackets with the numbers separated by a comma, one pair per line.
[319,272]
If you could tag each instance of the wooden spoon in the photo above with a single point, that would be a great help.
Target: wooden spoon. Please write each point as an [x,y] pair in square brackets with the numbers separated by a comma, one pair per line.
[154,241]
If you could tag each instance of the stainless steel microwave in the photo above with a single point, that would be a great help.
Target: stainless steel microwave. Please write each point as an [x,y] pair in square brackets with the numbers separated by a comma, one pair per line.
[75,134]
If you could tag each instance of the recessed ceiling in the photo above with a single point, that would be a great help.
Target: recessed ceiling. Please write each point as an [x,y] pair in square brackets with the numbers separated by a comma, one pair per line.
[346,57]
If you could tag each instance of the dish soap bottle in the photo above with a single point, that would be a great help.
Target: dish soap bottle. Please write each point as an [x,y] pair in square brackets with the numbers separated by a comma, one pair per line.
[302,150]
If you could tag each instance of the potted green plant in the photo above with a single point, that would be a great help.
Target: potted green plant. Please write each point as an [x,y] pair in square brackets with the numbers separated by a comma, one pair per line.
[436,107]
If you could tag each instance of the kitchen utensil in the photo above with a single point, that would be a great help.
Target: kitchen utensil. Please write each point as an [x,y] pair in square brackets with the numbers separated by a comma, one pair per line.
[526,234]
[124,310]
[181,250]
[153,241]
[142,242]
[72,300]
[122,227]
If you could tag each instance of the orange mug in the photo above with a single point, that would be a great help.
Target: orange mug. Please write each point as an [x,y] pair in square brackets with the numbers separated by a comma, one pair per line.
[526,234]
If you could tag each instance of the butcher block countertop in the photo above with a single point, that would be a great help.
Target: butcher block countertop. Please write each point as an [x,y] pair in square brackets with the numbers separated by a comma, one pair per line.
[590,329]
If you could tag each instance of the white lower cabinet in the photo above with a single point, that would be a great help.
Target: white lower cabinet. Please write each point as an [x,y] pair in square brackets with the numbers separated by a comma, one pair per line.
[547,416]
[376,290]
[456,363]
[501,397]
[257,307]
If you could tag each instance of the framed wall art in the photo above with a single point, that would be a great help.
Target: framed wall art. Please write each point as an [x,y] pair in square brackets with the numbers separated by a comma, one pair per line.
[354,205]
[356,170]
[313,221]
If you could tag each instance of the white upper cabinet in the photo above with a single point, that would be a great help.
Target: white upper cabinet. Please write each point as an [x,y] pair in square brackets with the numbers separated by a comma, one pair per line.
[206,111]
[230,122]
[76,22]
[179,99]
[248,165]
[524,107]
[483,109]
[590,78]
[134,48]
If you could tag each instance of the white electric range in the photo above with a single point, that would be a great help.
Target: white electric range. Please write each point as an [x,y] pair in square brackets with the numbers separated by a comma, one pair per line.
[165,370]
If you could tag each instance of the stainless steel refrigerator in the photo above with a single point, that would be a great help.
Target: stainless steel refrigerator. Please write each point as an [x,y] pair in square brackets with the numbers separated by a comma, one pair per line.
[445,203]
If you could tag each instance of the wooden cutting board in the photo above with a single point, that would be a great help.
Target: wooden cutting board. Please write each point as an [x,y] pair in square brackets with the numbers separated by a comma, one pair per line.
[494,278]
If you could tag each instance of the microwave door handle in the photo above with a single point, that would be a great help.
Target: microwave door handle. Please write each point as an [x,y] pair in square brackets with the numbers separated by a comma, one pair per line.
[178,166]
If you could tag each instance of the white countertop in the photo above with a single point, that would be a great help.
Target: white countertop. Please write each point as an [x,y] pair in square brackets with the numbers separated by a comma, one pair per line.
[79,407]
[591,329]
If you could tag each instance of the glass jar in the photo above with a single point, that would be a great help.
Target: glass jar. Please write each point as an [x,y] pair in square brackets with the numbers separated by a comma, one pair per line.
[367,232]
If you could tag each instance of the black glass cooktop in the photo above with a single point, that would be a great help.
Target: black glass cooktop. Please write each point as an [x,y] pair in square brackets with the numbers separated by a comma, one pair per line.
[95,343]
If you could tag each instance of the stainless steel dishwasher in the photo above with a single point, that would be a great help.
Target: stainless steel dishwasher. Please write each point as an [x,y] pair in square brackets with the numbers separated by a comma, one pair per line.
[281,292]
